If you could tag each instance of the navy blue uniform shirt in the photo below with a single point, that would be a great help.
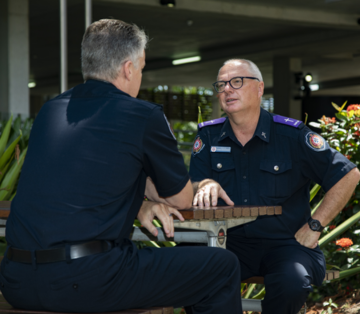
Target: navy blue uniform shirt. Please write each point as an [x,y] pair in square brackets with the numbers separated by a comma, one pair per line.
[90,152]
[275,167]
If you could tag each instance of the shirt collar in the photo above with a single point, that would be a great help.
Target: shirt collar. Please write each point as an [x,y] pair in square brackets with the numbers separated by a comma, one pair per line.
[262,130]
[105,84]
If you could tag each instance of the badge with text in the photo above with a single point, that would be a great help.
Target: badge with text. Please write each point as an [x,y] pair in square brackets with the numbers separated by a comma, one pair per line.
[198,145]
[220,149]
[315,141]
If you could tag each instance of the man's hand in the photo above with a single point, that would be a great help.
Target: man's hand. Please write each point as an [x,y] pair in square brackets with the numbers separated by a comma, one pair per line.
[307,237]
[210,189]
[163,212]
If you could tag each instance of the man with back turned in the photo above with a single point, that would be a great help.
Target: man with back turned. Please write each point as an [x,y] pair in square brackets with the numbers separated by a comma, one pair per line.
[258,158]
[83,182]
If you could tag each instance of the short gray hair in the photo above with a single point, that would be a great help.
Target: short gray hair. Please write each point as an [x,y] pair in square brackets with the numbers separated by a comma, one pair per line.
[107,44]
[253,68]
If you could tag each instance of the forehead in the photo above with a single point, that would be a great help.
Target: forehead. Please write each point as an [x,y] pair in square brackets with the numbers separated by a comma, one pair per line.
[232,69]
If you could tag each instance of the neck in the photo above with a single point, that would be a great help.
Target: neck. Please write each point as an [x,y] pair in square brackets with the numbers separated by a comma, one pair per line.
[244,124]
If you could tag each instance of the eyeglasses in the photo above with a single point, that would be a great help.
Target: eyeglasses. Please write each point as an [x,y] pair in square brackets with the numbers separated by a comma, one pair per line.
[235,82]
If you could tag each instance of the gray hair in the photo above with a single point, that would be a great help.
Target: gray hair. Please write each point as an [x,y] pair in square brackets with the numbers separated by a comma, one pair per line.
[253,68]
[107,44]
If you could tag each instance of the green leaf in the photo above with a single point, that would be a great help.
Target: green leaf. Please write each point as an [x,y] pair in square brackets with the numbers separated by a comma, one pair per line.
[341,116]
[10,178]
[316,188]
[8,153]
[260,295]
[5,136]
[249,290]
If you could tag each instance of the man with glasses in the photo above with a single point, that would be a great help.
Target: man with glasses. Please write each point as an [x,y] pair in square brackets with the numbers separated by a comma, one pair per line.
[256,158]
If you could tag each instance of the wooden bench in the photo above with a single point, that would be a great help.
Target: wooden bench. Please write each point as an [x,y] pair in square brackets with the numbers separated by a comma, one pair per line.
[6,308]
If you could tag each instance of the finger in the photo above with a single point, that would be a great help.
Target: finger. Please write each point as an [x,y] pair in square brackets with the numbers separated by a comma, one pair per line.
[200,195]
[195,200]
[225,197]
[149,226]
[177,214]
[207,196]
[214,195]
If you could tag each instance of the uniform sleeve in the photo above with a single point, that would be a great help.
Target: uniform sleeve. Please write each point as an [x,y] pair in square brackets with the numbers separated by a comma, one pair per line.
[200,162]
[321,163]
[162,160]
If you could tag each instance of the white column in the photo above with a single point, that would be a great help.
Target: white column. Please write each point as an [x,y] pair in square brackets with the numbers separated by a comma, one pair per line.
[63,47]
[88,13]
[14,56]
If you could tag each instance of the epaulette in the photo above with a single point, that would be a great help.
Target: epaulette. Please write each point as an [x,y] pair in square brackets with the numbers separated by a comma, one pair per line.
[212,122]
[288,121]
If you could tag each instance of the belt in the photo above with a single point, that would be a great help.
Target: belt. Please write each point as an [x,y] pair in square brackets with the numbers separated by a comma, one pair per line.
[59,254]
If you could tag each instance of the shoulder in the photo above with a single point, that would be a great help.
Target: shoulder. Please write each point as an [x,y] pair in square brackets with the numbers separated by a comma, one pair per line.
[286,126]
[219,121]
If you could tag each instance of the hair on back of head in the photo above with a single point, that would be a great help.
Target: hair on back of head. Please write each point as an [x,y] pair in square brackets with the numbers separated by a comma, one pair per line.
[107,44]
[253,68]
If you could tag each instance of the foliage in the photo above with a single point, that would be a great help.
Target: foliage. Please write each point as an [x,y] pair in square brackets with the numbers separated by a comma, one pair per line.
[330,305]
[13,146]
[340,242]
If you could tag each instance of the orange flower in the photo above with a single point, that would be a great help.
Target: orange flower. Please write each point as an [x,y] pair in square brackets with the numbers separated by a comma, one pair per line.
[331,227]
[328,120]
[353,107]
[344,242]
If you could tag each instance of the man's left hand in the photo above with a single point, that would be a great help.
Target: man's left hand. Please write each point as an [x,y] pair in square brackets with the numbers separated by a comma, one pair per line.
[163,212]
[307,237]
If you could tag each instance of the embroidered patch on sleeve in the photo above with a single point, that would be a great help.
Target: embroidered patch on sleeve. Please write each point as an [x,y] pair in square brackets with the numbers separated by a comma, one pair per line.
[315,141]
[198,145]
[171,131]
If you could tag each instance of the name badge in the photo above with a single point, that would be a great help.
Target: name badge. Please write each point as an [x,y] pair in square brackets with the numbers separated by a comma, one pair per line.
[220,149]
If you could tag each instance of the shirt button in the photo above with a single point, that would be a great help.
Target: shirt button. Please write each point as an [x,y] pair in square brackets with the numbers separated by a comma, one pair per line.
[219,166]
[245,200]
[75,286]
[244,153]
[276,168]
[244,177]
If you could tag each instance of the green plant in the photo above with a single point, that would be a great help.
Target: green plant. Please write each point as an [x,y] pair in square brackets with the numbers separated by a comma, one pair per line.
[330,305]
[342,132]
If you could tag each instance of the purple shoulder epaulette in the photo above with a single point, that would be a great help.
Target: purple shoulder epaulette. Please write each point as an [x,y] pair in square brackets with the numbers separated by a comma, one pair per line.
[288,121]
[212,122]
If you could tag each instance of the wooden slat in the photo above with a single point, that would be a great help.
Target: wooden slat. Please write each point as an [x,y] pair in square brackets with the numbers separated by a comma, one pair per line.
[246,212]
[278,210]
[237,212]
[262,211]
[6,308]
[259,280]
[228,212]
[219,213]
[254,211]
[270,210]
[208,213]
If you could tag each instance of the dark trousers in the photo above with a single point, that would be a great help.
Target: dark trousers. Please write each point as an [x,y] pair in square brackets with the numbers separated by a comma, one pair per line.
[288,268]
[207,279]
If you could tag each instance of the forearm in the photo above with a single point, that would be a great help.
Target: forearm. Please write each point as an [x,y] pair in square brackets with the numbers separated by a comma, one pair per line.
[337,197]
[181,200]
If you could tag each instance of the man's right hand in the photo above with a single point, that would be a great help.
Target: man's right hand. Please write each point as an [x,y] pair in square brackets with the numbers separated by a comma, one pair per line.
[210,189]
[163,212]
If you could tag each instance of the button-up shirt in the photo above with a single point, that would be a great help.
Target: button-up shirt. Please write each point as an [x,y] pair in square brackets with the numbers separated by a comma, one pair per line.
[276,167]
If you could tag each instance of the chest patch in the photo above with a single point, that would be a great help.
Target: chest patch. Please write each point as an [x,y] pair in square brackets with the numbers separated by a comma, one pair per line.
[315,141]
[212,122]
[220,149]
[198,145]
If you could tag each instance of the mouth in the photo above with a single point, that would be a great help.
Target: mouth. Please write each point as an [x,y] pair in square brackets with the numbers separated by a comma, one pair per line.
[230,100]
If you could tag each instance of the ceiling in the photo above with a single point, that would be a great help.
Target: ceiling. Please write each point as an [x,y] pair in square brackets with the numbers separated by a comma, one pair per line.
[324,34]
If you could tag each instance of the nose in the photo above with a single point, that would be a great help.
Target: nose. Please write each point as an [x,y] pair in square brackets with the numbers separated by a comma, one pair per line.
[227,86]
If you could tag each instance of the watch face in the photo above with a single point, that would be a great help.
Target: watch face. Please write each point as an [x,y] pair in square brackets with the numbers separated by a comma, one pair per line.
[315,225]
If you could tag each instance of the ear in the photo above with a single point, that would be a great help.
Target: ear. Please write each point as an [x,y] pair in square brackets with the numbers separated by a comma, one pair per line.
[128,68]
[261,89]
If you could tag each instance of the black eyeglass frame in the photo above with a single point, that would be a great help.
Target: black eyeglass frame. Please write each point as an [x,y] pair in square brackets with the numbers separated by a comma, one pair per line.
[242,82]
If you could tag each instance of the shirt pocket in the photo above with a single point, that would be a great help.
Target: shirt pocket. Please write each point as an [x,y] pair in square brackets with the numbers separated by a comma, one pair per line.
[223,169]
[275,178]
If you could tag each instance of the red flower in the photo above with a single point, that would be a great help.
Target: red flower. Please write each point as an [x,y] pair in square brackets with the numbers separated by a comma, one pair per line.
[353,107]
[344,242]
[331,227]
[347,156]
